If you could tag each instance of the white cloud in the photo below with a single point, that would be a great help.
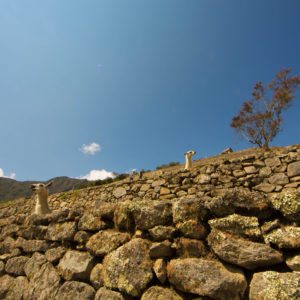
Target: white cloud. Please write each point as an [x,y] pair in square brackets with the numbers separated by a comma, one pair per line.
[98,175]
[11,175]
[90,149]
[131,171]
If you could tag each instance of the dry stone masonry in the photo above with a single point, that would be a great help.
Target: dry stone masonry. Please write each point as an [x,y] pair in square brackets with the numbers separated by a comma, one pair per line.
[229,229]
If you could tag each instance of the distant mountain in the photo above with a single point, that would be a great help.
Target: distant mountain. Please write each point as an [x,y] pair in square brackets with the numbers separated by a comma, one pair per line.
[12,189]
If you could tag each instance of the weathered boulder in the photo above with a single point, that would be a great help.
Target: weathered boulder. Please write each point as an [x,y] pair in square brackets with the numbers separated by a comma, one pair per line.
[186,248]
[76,265]
[285,237]
[6,283]
[271,285]
[293,169]
[265,172]
[293,262]
[250,169]
[159,293]
[30,246]
[265,187]
[158,182]
[239,200]
[74,290]
[34,264]
[161,233]
[106,294]
[119,192]
[241,252]
[61,231]
[104,242]
[96,276]
[129,268]
[44,283]
[105,210]
[272,162]
[16,265]
[7,245]
[12,253]
[142,214]
[33,232]
[192,229]
[150,214]
[55,254]
[8,220]
[91,221]
[164,191]
[187,209]
[288,203]
[207,278]
[13,288]
[239,225]
[160,270]
[9,230]
[203,179]
[279,179]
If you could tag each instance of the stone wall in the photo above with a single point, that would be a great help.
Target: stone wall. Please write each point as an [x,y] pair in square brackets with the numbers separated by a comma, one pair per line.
[229,229]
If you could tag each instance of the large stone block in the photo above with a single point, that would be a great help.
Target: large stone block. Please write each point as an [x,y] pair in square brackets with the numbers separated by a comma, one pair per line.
[239,225]
[16,265]
[207,278]
[286,237]
[61,231]
[13,288]
[239,200]
[76,265]
[189,209]
[74,290]
[293,169]
[192,229]
[44,282]
[241,252]
[92,222]
[129,268]
[30,246]
[104,242]
[279,179]
[273,285]
[288,203]
[148,214]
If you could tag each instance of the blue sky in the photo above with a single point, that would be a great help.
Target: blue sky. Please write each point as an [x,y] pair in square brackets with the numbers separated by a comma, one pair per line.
[119,85]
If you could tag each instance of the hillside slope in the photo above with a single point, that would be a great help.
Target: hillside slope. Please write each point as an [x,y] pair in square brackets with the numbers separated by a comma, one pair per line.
[12,189]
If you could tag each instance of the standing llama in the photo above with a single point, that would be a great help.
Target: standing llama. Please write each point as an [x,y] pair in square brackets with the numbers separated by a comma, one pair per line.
[41,192]
[188,159]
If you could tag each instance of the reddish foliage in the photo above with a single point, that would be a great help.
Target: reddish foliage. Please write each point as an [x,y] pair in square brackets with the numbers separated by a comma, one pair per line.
[260,118]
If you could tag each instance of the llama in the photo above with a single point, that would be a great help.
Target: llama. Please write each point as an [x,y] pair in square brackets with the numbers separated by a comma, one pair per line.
[188,159]
[41,192]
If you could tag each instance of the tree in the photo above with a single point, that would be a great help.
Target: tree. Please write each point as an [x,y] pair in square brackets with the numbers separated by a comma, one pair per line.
[260,118]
